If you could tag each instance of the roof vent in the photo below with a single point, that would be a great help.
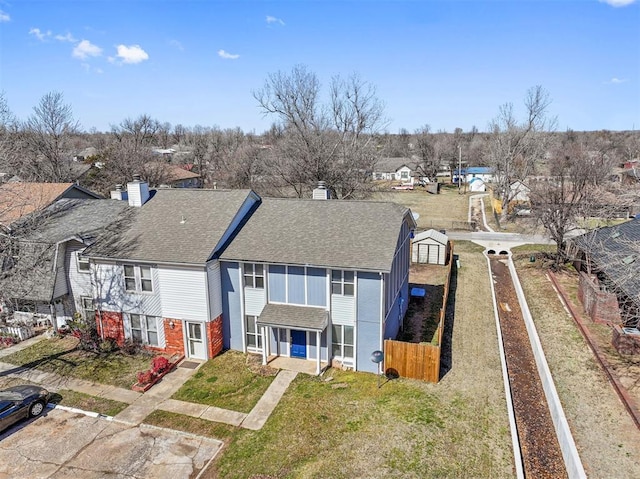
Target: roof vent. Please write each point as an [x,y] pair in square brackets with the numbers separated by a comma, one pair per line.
[321,192]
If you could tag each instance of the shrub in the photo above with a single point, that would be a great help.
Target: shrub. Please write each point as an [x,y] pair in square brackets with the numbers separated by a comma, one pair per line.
[132,348]
[145,377]
[159,364]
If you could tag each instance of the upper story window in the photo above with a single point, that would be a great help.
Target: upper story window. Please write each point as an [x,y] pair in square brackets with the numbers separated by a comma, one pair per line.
[342,282]
[82,263]
[138,278]
[253,275]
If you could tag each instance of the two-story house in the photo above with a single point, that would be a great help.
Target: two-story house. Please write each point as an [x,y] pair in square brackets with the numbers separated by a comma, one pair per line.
[317,280]
[196,271]
[158,280]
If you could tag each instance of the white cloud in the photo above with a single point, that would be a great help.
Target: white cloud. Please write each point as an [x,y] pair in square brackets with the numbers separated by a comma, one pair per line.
[131,54]
[40,35]
[618,3]
[227,55]
[616,81]
[86,49]
[66,38]
[4,17]
[271,19]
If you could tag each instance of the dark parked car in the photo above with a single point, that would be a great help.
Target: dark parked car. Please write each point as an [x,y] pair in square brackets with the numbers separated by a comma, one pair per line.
[20,402]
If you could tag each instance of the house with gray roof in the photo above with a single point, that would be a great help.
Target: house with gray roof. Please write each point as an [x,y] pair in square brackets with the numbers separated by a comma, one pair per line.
[157,280]
[44,273]
[318,280]
[195,271]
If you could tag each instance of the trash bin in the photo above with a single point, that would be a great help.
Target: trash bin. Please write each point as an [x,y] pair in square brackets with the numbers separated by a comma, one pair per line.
[532,258]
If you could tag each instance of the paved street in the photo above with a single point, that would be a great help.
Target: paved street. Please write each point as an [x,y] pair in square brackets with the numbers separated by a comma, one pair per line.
[62,444]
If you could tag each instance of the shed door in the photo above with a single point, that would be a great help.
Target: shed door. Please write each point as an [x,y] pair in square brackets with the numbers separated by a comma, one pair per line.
[423,253]
[434,253]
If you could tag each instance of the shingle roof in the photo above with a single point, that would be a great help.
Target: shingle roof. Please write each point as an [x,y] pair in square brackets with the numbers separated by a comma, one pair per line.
[290,316]
[175,226]
[431,234]
[615,250]
[21,198]
[327,233]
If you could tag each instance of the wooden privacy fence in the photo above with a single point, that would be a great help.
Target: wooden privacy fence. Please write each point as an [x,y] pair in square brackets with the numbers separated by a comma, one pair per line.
[419,360]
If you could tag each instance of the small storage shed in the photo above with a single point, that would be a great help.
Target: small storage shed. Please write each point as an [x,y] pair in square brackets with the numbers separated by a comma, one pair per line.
[477,184]
[430,247]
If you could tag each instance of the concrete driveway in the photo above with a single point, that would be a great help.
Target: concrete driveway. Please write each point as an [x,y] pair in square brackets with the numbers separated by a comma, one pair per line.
[62,444]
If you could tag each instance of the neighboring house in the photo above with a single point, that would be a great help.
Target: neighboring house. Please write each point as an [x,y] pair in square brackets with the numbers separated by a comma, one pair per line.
[630,177]
[430,247]
[484,173]
[158,280]
[611,257]
[318,280]
[18,199]
[477,185]
[48,276]
[171,176]
[395,169]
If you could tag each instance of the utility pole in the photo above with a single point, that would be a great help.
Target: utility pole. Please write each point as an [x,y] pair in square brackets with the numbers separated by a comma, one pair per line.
[459,168]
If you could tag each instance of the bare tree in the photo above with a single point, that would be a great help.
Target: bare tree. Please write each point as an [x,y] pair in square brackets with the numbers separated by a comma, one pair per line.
[9,138]
[573,191]
[47,133]
[515,146]
[322,142]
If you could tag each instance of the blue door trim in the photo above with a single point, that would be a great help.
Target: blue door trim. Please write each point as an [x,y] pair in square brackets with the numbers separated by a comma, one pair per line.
[298,344]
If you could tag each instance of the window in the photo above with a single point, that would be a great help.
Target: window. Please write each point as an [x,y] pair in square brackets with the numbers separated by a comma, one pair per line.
[342,341]
[404,174]
[254,338]
[342,282]
[82,262]
[145,279]
[253,275]
[88,310]
[138,278]
[144,329]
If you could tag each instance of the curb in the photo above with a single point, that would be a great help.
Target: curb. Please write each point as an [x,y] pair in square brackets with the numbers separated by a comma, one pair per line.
[79,411]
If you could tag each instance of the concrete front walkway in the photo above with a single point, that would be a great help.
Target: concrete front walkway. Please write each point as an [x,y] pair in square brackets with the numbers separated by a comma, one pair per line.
[158,397]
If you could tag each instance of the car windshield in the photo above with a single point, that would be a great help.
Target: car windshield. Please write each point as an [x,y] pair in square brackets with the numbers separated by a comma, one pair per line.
[10,396]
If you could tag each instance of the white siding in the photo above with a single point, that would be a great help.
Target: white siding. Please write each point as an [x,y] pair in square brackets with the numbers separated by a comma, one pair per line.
[79,283]
[342,309]
[184,293]
[254,301]
[215,289]
[111,296]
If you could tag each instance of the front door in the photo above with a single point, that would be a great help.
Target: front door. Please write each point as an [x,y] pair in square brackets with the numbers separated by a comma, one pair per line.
[298,344]
[195,340]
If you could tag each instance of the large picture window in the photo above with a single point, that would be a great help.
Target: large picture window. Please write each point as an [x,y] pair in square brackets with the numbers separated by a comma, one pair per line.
[342,343]
[138,278]
[342,282]
[253,275]
[254,338]
[144,329]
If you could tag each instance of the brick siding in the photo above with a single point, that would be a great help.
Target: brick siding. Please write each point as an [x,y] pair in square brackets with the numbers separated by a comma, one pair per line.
[214,333]
[112,324]
[174,339]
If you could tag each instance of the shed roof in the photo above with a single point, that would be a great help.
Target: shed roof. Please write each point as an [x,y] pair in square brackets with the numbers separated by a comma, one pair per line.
[431,234]
[326,233]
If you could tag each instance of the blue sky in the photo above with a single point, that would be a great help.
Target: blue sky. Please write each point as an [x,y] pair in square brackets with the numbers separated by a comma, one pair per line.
[444,63]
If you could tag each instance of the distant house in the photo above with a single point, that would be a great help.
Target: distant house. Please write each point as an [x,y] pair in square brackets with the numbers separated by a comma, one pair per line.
[484,173]
[18,199]
[395,169]
[430,247]
[160,174]
[519,192]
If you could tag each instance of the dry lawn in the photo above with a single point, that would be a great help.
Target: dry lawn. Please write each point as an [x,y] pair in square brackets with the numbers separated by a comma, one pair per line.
[436,211]
[606,437]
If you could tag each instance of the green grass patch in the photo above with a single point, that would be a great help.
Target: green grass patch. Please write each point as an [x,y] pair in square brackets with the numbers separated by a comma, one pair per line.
[227,381]
[66,397]
[192,425]
[61,356]
[460,246]
[327,428]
